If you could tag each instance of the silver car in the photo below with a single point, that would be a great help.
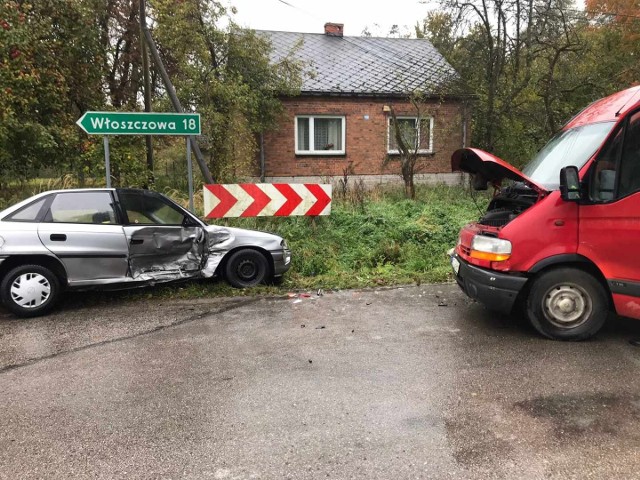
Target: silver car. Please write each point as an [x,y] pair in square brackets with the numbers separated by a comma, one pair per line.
[118,238]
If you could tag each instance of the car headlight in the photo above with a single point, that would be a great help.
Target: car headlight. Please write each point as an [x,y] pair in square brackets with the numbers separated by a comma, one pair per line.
[284,245]
[490,248]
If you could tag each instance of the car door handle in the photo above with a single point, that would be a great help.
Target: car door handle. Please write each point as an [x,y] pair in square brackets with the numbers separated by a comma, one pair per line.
[137,241]
[58,237]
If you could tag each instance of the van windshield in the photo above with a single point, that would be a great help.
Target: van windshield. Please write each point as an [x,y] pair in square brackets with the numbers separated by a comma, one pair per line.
[569,147]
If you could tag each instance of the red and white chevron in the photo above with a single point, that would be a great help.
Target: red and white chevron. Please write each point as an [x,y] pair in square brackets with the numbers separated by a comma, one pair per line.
[266,200]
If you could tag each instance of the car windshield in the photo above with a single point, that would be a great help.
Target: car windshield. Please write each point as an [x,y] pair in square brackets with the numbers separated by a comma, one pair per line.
[569,147]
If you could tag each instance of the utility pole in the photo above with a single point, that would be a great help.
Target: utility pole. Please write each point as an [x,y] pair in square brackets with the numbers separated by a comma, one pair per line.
[171,91]
[147,90]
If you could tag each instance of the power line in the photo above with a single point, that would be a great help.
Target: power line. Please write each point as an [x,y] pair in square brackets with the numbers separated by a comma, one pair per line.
[295,7]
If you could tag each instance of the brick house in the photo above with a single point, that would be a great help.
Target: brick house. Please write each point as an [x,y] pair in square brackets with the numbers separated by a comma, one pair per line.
[342,118]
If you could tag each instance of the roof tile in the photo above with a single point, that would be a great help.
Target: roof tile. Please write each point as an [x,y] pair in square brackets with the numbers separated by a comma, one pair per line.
[363,65]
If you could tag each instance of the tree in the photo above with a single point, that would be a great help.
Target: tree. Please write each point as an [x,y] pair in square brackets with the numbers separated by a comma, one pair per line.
[225,74]
[411,131]
[409,136]
[531,64]
[50,61]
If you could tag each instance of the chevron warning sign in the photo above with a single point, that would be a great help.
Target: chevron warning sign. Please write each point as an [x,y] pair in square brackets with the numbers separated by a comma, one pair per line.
[266,200]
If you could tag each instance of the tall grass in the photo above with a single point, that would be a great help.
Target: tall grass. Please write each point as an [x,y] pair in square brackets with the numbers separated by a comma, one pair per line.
[380,238]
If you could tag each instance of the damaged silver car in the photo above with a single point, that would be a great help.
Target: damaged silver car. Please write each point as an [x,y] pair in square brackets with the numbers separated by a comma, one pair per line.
[120,238]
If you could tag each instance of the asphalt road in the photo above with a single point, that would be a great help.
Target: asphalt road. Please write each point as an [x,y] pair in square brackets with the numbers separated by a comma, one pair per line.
[408,383]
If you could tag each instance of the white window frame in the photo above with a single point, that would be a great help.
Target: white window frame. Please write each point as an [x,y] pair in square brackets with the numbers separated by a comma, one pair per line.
[411,117]
[312,132]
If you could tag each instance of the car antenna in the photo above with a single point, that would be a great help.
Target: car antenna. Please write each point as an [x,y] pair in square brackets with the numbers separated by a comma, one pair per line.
[625,103]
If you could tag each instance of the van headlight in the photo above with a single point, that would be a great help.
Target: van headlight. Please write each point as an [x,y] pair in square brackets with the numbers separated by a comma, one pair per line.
[284,245]
[490,248]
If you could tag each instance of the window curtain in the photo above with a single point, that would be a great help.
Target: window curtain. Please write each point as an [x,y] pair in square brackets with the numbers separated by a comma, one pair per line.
[303,134]
[335,134]
[327,134]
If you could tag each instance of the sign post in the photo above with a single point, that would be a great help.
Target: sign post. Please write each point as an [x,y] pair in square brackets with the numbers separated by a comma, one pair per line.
[142,123]
[107,164]
[190,174]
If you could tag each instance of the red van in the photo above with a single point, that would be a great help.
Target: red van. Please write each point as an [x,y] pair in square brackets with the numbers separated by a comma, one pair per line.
[561,238]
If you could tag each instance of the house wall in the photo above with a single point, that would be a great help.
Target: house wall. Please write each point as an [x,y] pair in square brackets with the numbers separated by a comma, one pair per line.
[366,138]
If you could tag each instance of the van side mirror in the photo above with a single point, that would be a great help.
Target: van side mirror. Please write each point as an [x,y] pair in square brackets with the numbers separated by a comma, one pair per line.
[570,184]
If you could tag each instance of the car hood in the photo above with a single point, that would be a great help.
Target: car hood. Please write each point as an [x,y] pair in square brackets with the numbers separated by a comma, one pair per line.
[488,168]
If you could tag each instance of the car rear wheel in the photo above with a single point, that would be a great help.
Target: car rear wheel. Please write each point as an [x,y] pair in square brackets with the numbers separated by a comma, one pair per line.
[567,304]
[29,290]
[246,268]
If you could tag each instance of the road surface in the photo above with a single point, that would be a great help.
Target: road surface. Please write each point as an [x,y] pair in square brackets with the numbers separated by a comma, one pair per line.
[406,383]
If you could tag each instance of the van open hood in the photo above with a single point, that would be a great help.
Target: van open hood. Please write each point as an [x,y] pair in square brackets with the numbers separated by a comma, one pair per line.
[488,168]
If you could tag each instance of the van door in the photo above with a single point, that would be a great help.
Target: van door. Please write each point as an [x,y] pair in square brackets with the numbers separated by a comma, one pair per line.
[164,242]
[610,227]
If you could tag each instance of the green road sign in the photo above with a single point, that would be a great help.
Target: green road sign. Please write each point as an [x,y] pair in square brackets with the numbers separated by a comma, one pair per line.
[140,123]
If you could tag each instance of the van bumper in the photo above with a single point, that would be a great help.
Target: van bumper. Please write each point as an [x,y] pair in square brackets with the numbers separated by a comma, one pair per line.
[498,291]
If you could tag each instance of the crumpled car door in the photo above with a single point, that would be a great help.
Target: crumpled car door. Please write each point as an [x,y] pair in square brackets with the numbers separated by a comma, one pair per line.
[164,251]
[165,243]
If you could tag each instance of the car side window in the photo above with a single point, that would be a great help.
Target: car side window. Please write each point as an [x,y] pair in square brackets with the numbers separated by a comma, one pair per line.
[145,209]
[630,159]
[29,213]
[82,207]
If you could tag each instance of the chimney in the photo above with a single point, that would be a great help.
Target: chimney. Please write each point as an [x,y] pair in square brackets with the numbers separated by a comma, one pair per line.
[333,29]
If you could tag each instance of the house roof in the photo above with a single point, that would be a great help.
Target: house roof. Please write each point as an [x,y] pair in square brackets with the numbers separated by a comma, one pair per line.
[363,65]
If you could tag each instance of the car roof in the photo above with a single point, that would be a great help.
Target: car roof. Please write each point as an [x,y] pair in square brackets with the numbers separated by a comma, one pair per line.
[607,109]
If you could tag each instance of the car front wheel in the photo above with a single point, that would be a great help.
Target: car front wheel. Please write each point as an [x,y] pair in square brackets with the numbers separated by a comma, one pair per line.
[29,290]
[567,304]
[246,268]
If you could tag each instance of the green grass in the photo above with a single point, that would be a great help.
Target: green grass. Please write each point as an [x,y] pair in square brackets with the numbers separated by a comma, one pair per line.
[383,240]
[379,238]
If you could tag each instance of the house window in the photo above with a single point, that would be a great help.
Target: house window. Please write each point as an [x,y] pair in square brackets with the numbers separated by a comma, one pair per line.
[416,133]
[319,135]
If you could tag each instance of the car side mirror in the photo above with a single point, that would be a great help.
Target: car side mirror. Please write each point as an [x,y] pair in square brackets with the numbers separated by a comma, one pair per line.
[187,221]
[570,184]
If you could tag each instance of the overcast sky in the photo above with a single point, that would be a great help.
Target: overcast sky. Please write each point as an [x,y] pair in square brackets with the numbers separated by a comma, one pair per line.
[310,15]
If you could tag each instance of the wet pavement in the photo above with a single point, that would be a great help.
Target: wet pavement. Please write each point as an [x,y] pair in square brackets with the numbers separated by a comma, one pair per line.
[417,382]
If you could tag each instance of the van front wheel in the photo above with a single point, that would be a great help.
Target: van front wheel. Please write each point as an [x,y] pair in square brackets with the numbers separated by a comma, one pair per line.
[567,304]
